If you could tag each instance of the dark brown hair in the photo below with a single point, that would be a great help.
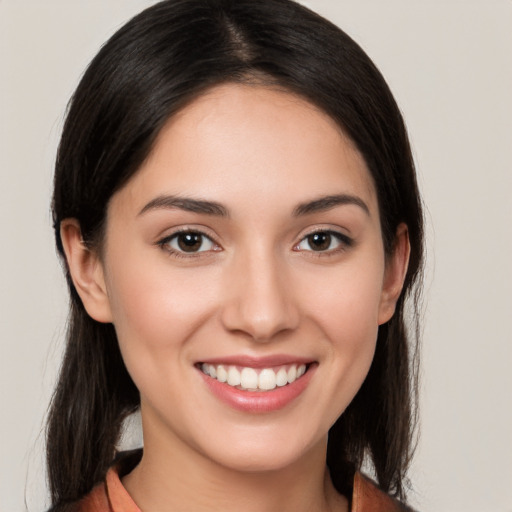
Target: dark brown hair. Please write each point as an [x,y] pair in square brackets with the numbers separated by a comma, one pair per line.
[157,63]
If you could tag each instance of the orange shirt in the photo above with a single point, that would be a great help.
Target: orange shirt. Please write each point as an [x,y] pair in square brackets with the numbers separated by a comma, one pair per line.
[111,496]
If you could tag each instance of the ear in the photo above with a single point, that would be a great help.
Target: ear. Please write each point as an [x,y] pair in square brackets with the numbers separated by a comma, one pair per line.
[86,271]
[394,274]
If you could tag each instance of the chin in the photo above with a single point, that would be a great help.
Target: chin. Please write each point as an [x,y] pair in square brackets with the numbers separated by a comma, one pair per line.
[262,452]
[258,463]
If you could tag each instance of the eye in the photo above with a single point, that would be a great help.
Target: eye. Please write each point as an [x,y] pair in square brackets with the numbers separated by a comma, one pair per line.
[323,241]
[188,242]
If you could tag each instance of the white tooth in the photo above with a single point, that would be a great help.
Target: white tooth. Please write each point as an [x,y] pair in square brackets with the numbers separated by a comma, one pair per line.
[267,379]
[222,374]
[249,378]
[204,368]
[233,376]
[212,371]
[301,370]
[281,377]
[292,373]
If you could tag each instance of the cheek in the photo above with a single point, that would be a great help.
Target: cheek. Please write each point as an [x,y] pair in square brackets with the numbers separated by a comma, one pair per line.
[155,313]
[351,326]
[346,301]
[156,318]
[346,309]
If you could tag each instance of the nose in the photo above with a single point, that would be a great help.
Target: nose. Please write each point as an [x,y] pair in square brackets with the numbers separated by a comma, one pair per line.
[260,301]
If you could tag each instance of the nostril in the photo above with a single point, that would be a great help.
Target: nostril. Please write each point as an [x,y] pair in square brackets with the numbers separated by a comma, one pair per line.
[260,322]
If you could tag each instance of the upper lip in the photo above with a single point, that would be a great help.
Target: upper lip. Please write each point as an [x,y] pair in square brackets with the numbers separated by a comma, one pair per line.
[258,362]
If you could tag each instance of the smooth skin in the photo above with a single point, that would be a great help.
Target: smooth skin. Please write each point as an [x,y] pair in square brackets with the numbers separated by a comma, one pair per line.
[263,265]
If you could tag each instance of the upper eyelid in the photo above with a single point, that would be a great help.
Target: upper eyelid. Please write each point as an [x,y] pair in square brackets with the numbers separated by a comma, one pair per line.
[325,229]
[183,231]
[188,229]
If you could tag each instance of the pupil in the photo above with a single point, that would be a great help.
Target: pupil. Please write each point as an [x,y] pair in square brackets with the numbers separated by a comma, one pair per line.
[320,241]
[190,242]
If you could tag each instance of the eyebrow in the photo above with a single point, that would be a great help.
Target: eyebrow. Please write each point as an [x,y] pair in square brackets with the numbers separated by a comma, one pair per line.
[325,203]
[203,206]
[187,204]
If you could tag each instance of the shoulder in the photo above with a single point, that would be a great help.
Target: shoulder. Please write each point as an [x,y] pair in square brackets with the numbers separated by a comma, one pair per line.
[96,501]
[367,497]
[109,495]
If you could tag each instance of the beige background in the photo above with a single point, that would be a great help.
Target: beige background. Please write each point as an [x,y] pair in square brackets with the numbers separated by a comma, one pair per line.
[449,65]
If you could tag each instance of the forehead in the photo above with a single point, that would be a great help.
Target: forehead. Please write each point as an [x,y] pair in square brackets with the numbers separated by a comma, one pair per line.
[243,141]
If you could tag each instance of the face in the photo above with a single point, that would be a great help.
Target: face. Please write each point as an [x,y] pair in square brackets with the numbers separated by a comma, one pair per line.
[244,272]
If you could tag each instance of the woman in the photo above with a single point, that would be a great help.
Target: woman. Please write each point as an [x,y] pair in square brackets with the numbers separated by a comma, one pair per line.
[236,204]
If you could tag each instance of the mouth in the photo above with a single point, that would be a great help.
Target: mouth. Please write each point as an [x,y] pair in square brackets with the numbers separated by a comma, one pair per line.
[257,385]
[248,378]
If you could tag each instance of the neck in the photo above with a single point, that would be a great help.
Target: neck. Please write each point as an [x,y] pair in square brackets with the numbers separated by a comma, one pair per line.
[171,477]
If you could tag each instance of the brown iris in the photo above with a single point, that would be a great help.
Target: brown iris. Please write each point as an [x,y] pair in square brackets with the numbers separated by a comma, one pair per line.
[190,242]
[320,241]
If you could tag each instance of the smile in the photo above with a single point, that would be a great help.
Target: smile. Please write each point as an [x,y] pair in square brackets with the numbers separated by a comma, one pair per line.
[257,385]
[254,379]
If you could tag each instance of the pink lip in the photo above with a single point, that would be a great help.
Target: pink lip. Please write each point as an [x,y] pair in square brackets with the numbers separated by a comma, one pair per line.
[258,401]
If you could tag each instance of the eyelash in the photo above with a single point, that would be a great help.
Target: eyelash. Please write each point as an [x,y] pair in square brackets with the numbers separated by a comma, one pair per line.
[344,241]
[165,242]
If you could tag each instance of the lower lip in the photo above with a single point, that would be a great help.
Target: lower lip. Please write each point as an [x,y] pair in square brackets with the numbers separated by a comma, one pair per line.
[259,401]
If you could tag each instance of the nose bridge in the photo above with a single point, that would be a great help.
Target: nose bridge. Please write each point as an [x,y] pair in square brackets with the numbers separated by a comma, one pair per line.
[260,303]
